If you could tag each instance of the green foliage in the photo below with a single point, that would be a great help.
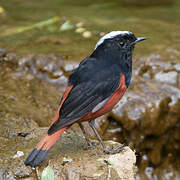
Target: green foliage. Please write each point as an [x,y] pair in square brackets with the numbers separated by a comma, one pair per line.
[47,174]
[41,24]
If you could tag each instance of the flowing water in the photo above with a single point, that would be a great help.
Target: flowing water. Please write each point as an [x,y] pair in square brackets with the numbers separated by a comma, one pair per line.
[160,24]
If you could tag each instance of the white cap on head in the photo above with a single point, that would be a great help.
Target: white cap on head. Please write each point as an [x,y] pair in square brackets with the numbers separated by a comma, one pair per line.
[111,35]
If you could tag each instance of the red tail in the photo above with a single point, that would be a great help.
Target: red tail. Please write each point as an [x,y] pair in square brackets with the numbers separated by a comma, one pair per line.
[49,140]
[39,153]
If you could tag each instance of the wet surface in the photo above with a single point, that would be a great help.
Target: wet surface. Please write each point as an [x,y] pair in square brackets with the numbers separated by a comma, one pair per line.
[33,77]
[146,119]
[28,103]
[160,24]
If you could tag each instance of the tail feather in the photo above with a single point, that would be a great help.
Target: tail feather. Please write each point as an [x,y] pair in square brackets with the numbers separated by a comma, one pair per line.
[39,153]
[36,157]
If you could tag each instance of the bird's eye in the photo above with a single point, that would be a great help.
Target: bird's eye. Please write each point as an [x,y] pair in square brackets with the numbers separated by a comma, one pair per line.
[121,43]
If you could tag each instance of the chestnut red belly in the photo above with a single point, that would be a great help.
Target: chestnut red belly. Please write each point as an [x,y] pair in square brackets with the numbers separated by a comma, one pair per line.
[109,104]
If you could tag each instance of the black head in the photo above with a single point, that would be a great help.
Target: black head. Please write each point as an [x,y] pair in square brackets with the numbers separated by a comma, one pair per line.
[117,43]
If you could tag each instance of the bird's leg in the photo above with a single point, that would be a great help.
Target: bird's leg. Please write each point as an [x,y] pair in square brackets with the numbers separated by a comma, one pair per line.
[89,143]
[92,125]
[107,151]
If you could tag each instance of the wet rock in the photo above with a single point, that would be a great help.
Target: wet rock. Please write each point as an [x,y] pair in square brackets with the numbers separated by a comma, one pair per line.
[69,159]
[152,101]
[2,52]
[27,106]
[47,68]
[169,77]
[8,58]
[28,97]
[153,107]
[69,66]
[99,166]
[5,174]
[147,118]
[149,112]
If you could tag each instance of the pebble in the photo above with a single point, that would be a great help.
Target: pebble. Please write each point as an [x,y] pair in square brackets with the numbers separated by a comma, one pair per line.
[80,30]
[170,77]
[18,154]
[87,34]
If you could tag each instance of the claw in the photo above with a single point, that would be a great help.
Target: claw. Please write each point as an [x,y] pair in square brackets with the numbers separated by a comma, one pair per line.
[90,145]
[114,151]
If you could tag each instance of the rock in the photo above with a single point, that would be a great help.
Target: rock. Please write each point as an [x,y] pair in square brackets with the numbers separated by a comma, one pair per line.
[147,118]
[70,65]
[5,174]
[47,68]
[2,52]
[123,169]
[149,112]
[151,99]
[8,58]
[27,106]
[87,34]
[92,163]
[149,107]
[80,30]
[169,77]
[18,154]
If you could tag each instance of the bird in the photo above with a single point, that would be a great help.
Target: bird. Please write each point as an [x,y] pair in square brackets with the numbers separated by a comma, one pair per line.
[93,89]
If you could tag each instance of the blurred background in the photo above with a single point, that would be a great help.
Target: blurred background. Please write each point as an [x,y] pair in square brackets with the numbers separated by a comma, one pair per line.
[45,40]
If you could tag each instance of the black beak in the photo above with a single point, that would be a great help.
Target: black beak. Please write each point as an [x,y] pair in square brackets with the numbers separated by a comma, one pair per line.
[138,40]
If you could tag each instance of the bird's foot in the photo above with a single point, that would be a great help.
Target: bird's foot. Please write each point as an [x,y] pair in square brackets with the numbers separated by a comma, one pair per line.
[90,145]
[114,151]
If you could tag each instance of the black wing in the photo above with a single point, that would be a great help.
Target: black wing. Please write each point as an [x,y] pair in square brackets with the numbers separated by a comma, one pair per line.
[92,83]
